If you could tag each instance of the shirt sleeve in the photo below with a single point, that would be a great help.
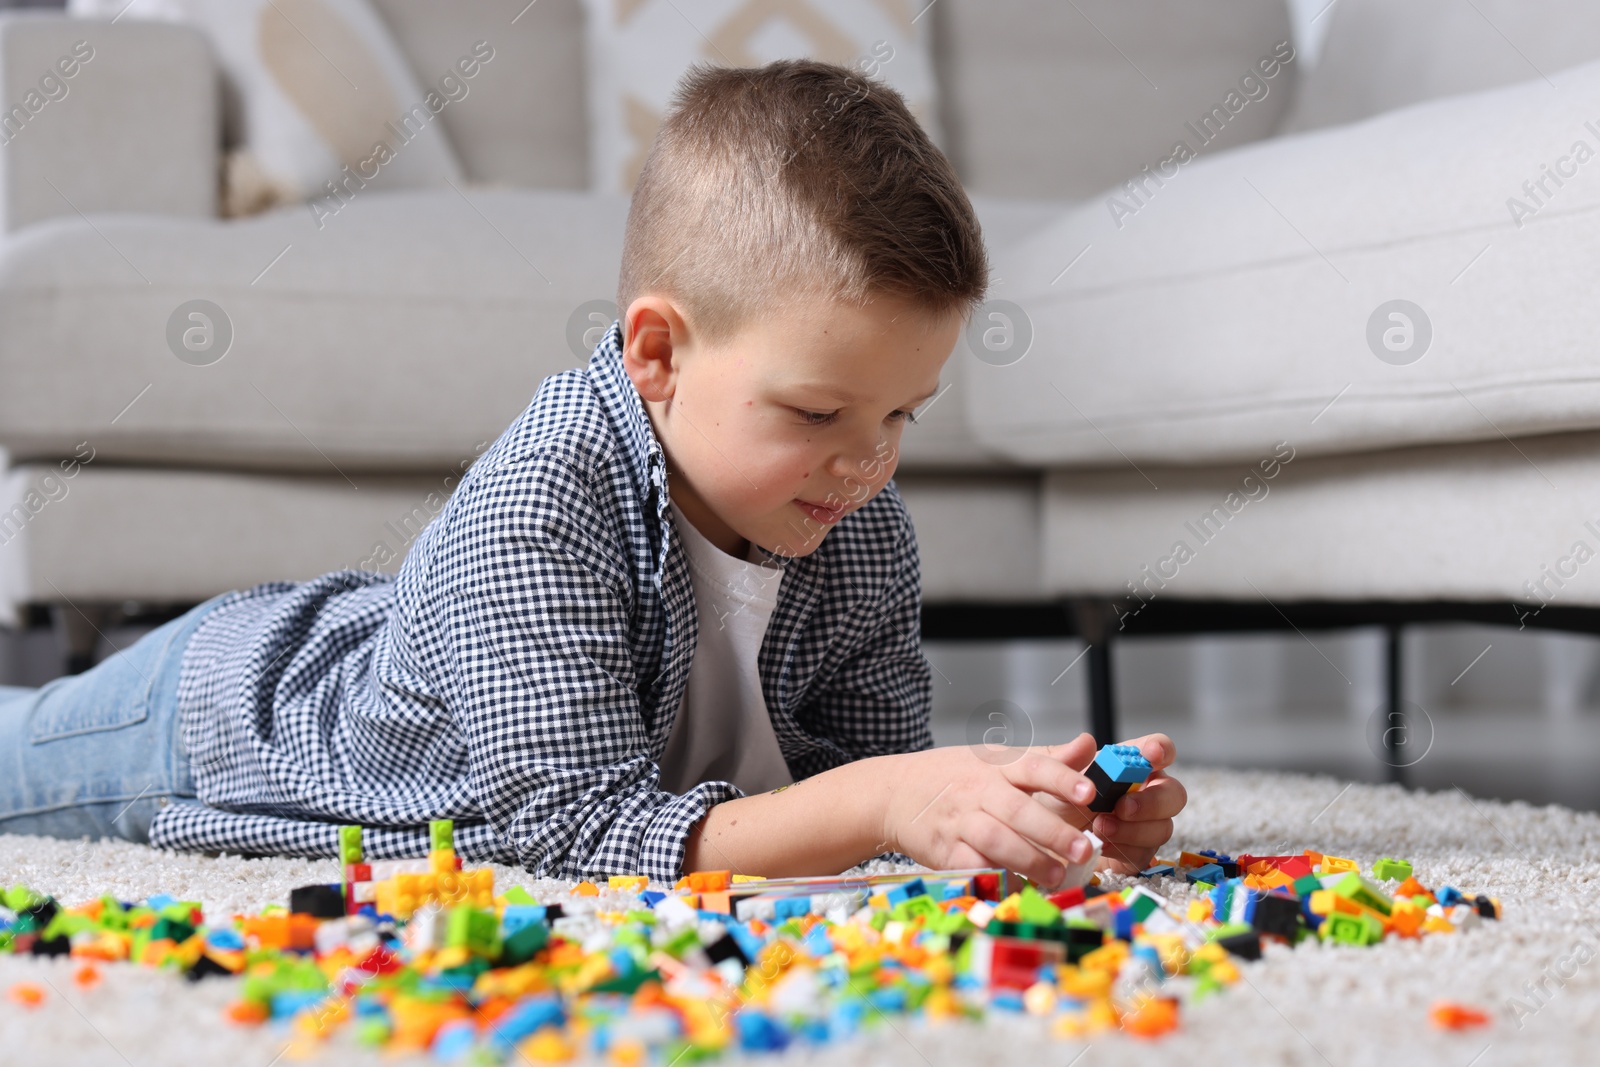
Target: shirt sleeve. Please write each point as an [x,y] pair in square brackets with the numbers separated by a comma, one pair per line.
[879,700]
[536,614]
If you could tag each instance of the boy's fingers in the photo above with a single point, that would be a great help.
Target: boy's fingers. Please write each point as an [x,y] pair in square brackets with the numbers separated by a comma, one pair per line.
[1006,848]
[963,855]
[1157,748]
[1076,753]
[1080,751]
[1039,772]
[1152,834]
[1030,818]
[1161,797]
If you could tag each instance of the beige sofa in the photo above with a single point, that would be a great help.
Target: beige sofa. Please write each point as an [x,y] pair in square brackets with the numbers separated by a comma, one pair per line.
[1187,323]
[374,353]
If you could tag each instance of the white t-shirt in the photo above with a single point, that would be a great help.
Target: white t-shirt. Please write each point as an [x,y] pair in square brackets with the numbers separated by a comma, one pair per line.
[723,731]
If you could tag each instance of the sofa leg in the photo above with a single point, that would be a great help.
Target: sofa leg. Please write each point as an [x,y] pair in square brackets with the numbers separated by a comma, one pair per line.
[1395,746]
[80,627]
[1093,619]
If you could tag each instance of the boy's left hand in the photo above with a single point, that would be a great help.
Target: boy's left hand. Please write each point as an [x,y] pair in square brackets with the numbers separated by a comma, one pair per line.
[1142,821]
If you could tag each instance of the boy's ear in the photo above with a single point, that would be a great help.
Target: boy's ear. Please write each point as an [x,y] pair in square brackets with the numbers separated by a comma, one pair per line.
[655,332]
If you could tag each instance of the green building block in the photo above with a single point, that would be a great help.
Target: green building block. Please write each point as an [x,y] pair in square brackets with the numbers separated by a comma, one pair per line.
[1307,884]
[678,944]
[350,850]
[1032,907]
[373,1031]
[1392,870]
[21,898]
[65,924]
[1229,930]
[627,982]
[171,929]
[475,929]
[950,922]
[518,895]
[1354,887]
[1351,929]
[918,907]
[1141,903]
[113,916]
[441,834]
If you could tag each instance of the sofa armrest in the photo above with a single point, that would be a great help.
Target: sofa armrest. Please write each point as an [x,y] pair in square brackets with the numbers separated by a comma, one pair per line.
[97,116]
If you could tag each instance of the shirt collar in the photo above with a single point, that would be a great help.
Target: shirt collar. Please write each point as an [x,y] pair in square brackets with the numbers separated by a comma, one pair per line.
[646,459]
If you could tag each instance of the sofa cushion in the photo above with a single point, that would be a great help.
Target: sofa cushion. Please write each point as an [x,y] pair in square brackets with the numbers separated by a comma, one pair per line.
[391,333]
[410,326]
[305,119]
[638,52]
[977,535]
[1047,99]
[1246,299]
[1384,54]
[183,536]
[524,122]
[1476,522]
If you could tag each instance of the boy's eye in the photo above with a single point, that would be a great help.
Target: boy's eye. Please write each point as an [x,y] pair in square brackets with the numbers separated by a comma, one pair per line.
[822,418]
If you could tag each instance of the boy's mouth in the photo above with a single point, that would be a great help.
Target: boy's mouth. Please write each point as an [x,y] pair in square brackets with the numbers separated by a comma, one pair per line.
[820,512]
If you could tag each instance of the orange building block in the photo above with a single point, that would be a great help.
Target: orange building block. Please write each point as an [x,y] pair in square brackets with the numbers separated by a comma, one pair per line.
[1448,1015]
[28,994]
[1156,1016]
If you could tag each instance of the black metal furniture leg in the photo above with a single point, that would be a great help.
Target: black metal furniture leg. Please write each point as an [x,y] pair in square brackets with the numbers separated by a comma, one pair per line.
[80,627]
[1397,751]
[1093,618]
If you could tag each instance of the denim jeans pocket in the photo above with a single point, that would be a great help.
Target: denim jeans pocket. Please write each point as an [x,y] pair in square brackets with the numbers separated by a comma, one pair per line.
[64,709]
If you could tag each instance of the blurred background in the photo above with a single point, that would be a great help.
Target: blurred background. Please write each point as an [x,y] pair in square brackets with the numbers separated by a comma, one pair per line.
[1203,217]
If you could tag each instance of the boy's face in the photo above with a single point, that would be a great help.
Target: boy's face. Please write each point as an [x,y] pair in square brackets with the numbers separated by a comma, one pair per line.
[779,432]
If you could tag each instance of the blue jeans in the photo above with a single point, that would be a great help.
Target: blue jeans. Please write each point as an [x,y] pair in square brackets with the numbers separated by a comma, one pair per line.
[101,752]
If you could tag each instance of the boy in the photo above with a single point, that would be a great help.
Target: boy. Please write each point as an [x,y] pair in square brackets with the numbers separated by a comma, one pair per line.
[680,581]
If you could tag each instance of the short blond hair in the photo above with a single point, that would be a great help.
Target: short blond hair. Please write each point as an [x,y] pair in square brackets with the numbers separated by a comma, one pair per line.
[798,179]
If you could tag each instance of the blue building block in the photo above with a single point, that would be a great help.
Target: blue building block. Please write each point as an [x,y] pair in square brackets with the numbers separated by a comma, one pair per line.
[748,942]
[524,1018]
[791,908]
[517,916]
[901,893]
[1211,874]
[1123,763]
[1115,770]
[758,1033]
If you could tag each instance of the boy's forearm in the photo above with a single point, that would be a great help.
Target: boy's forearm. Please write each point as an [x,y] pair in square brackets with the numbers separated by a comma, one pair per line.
[819,826]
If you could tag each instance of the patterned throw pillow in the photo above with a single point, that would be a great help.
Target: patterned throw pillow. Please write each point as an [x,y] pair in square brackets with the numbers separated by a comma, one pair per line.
[314,87]
[638,49]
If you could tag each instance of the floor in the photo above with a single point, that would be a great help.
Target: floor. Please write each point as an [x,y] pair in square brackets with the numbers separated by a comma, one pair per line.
[1533,972]
[1501,713]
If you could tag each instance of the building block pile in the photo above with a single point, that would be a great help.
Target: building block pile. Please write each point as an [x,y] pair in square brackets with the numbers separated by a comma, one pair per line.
[424,955]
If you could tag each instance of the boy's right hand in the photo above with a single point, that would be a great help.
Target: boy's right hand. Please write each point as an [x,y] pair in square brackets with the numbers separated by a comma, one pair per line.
[947,808]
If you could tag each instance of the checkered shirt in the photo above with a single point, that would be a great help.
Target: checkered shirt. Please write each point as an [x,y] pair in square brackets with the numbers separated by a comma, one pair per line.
[522,671]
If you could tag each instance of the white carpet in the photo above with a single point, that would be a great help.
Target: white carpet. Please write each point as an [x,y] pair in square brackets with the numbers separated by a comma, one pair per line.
[1310,1005]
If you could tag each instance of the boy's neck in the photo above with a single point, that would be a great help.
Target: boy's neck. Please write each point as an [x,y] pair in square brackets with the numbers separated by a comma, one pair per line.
[716,531]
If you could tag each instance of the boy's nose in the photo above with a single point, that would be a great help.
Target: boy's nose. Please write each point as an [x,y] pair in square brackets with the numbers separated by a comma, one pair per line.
[855,468]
